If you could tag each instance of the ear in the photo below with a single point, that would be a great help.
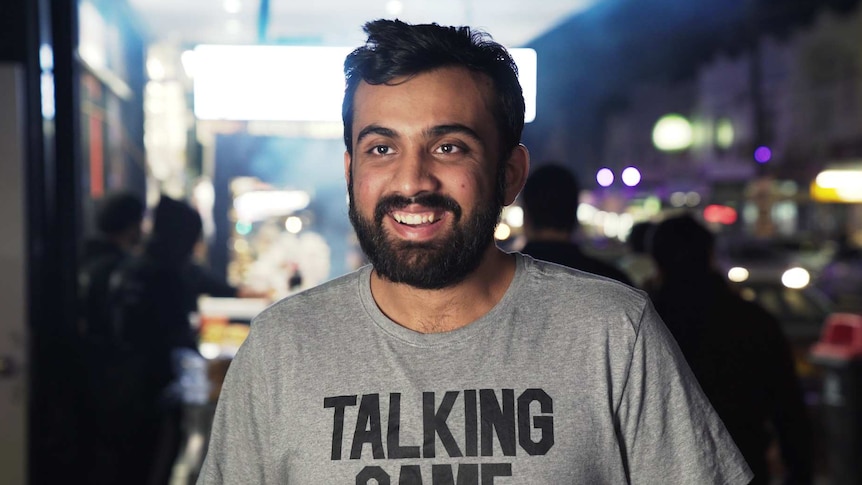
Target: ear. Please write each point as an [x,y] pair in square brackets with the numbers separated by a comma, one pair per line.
[517,168]
[347,163]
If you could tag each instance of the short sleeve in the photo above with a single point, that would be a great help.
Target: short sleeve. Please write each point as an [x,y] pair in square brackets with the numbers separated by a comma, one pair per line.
[239,441]
[669,432]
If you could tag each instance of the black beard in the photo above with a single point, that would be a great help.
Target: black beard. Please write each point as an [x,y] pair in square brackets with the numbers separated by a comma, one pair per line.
[427,265]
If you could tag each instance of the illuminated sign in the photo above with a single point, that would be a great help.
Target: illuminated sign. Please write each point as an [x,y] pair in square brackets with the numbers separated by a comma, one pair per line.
[292,83]
[838,184]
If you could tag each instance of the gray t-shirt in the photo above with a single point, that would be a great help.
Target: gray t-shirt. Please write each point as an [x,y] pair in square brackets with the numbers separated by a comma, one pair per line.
[570,378]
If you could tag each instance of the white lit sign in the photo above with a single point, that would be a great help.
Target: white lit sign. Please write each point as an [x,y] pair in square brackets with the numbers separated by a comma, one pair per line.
[258,205]
[292,83]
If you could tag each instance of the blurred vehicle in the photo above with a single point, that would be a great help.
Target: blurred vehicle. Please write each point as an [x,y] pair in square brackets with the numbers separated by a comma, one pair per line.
[779,275]
[771,258]
[801,310]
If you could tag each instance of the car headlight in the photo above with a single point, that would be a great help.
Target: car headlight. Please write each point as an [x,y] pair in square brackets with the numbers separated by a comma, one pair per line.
[796,278]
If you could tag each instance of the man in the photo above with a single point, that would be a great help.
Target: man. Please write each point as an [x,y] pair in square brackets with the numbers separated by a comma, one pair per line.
[447,360]
[736,349]
[118,220]
[550,200]
[150,303]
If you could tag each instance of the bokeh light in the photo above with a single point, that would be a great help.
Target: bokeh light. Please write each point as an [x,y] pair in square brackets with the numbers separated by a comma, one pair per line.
[502,232]
[605,177]
[672,132]
[724,133]
[631,176]
[796,278]
[720,214]
[293,224]
[737,274]
[514,216]
[243,228]
[762,154]
[692,199]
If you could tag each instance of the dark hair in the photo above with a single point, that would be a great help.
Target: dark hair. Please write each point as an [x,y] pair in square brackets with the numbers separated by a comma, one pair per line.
[394,49]
[177,226]
[119,211]
[550,198]
[681,245]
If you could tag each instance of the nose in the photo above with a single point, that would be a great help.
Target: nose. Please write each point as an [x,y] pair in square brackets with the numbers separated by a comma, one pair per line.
[414,174]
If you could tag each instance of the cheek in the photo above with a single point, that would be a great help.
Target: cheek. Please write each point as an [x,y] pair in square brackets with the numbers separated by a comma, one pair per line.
[364,191]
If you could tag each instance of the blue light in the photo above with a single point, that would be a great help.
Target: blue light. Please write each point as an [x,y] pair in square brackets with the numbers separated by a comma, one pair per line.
[243,228]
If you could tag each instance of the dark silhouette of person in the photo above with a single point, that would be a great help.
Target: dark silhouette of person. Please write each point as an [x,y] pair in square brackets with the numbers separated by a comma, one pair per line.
[737,350]
[638,264]
[149,305]
[118,223]
[550,202]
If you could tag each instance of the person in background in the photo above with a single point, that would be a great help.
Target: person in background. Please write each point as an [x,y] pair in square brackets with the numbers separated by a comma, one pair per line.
[736,349]
[448,360]
[550,202]
[150,306]
[637,263]
[118,221]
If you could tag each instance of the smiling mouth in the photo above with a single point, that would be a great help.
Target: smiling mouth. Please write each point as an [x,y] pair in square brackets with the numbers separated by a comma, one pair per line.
[416,219]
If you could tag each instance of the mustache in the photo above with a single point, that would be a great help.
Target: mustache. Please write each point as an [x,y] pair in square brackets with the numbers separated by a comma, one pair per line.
[430,200]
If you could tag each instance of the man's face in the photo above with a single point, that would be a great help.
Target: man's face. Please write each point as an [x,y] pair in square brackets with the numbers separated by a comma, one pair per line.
[423,179]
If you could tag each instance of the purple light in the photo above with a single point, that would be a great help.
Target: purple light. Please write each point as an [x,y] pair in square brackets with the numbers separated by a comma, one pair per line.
[631,176]
[605,177]
[762,154]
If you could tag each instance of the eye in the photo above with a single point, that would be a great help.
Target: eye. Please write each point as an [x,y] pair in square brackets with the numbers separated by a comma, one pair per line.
[449,148]
[379,150]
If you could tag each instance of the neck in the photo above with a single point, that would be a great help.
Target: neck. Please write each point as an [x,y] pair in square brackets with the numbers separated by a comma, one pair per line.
[446,309]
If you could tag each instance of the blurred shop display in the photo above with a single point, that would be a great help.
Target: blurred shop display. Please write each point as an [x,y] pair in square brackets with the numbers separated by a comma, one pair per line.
[224,324]
[279,212]
[273,250]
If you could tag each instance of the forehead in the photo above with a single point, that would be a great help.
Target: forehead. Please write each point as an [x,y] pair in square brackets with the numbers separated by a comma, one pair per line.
[441,96]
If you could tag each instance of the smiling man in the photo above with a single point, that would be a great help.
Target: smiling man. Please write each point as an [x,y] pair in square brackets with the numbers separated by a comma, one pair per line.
[447,360]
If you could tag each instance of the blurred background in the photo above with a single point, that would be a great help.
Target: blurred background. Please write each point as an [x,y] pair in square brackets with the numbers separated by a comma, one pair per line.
[745,113]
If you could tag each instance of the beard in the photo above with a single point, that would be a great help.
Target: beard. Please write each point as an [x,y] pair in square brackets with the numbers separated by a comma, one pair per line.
[428,265]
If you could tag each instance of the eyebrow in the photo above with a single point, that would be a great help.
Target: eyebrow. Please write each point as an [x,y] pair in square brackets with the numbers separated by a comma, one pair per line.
[441,130]
[435,131]
[375,130]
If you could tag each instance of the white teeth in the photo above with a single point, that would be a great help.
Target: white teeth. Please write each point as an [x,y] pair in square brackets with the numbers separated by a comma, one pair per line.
[414,219]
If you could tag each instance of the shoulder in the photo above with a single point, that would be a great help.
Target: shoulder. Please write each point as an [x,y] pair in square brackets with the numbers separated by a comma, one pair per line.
[329,301]
[569,254]
[586,296]
[566,278]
